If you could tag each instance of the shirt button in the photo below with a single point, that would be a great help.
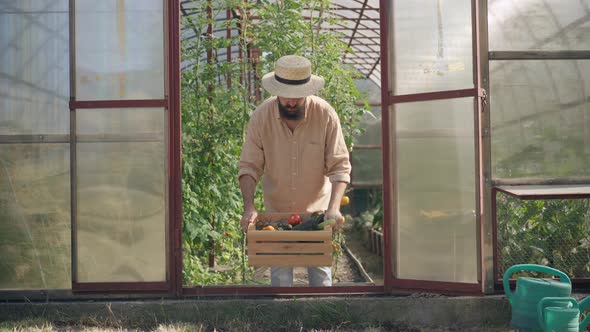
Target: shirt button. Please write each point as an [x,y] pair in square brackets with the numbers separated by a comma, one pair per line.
[293,188]
[294,142]
[294,173]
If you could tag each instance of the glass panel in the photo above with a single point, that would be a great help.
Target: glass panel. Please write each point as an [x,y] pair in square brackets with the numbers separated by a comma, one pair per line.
[128,121]
[432,48]
[538,25]
[35,222]
[119,49]
[540,118]
[436,191]
[366,166]
[121,211]
[34,67]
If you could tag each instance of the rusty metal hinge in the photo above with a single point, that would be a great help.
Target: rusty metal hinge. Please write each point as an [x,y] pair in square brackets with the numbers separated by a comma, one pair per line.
[484,99]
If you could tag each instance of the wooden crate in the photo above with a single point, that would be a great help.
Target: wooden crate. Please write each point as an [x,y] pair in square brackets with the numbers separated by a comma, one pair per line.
[289,248]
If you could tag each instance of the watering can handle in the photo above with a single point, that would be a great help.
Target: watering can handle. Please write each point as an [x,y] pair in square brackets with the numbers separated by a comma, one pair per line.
[543,304]
[530,267]
[584,305]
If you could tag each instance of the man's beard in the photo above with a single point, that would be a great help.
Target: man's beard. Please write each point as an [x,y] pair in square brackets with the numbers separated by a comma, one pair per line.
[295,113]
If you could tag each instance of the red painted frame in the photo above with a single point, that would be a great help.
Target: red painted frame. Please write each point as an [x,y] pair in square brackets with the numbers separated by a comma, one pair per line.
[388,99]
[385,147]
[175,150]
[76,104]
[173,283]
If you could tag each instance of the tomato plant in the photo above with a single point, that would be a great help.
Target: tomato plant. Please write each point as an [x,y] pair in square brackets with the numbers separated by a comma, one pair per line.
[216,106]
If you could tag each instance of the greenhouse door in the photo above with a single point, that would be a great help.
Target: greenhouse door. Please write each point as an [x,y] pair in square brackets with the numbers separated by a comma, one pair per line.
[120,134]
[431,144]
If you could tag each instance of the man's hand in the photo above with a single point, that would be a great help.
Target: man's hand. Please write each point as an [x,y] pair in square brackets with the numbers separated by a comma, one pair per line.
[248,218]
[336,215]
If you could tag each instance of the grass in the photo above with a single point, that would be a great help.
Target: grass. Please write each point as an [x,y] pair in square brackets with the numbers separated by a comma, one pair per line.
[309,316]
[43,326]
[49,327]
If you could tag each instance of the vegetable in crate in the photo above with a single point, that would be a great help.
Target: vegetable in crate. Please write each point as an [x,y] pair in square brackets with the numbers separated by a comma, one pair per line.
[282,225]
[260,224]
[279,225]
[311,224]
[323,224]
[294,219]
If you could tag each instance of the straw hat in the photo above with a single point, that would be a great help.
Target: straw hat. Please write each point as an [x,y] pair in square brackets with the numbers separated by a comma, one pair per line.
[292,78]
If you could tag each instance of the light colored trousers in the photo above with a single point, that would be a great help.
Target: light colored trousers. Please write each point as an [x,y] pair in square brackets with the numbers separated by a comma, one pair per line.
[282,276]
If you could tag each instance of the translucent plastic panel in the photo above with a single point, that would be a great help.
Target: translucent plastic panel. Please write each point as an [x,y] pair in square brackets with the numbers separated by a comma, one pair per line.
[123,121]
[121,195]
[538,25]
[371,123]
[432,47]
[121,215]
[436,191]
[34,67]
[540,118]
[119,49]
[35,227]
[366,166]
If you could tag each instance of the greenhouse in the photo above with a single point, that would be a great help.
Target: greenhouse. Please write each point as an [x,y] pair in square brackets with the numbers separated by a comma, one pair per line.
[122,123]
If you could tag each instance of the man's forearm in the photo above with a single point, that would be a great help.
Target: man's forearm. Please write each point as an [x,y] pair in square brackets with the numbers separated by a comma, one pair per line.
[338,189]
[248,188]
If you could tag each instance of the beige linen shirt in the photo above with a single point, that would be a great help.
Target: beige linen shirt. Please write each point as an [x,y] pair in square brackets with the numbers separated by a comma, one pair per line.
[297,167]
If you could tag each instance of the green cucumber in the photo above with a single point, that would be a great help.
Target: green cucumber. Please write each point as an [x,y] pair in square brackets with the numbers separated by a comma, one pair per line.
[322,225]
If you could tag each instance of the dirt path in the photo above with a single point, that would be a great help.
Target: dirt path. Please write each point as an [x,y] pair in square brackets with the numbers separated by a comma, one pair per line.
[371,262]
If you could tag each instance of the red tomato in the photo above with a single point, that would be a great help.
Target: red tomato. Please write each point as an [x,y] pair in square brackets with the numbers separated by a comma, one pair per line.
[294,219]
[228,234]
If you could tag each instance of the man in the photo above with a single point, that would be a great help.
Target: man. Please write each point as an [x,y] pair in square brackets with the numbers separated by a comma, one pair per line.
[295,144]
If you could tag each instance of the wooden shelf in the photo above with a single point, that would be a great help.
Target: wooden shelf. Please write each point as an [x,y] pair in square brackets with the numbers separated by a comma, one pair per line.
[546,191]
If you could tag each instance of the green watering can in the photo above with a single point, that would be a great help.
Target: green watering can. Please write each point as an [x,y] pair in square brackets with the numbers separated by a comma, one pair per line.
[562,314]
[530,291]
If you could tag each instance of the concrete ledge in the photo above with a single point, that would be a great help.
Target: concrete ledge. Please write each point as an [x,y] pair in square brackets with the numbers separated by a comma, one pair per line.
[276,314]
